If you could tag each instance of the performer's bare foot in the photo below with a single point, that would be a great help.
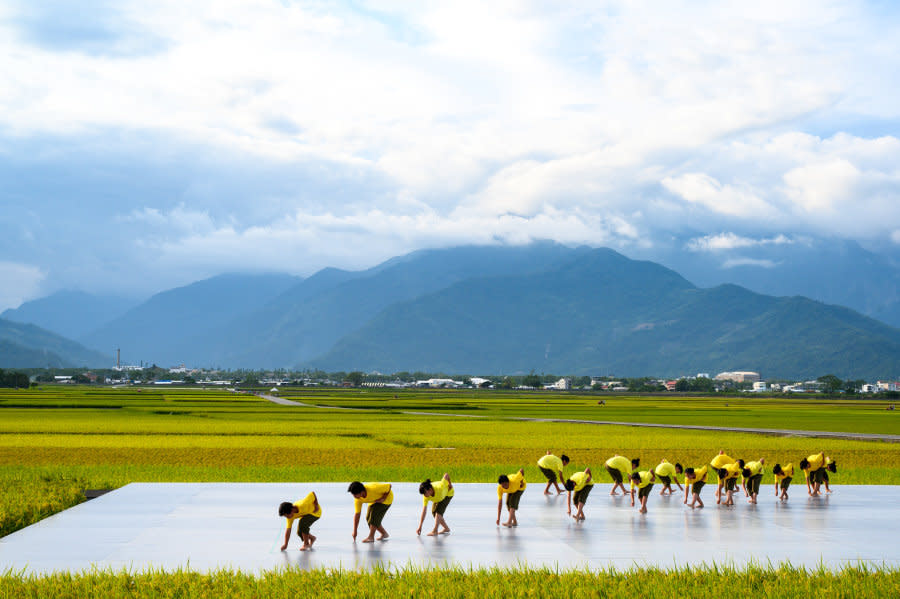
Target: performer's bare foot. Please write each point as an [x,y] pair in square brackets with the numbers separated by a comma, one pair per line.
[431,534]
[368,540]
[384,537]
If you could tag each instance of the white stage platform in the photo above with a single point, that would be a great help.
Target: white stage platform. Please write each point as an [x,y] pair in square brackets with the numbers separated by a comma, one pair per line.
[208,526]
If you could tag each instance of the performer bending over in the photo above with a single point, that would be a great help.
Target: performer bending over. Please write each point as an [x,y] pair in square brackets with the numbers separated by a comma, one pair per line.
[439,494]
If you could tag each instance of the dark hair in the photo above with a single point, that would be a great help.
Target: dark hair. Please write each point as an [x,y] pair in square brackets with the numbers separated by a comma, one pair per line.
[746,472]
[804,464]
[777,469]
[741,463]
[678,467]
[425,486]
[356,488]
[689,472]
[569,484]
[502,479]
[285,508]
[833,467]
[635,462]
[722,473]
[635,475]
[564,458]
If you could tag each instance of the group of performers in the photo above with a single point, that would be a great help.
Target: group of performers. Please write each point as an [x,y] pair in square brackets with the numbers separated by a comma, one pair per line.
[578,485]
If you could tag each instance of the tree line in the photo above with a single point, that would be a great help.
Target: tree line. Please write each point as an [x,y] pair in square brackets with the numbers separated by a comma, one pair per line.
[14,379]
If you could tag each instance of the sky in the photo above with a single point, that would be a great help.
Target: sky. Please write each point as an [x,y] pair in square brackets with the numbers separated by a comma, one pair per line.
[145,145]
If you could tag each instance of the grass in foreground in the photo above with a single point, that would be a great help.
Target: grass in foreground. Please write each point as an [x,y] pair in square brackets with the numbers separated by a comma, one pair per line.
[753,581]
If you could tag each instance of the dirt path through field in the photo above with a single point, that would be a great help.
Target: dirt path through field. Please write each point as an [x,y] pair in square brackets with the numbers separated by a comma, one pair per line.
[727,429]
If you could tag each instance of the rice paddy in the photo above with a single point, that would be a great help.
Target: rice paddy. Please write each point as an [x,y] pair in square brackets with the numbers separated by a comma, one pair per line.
[57,441]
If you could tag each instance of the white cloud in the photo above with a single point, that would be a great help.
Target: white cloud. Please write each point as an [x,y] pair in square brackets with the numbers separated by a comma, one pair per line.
[762,263]
[179,220]
[21,282]
[335,240]
[699,188]
[730,241]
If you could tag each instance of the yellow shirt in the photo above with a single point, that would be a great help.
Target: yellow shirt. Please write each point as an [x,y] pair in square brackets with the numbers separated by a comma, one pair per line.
[733,470]
[373,492]
[828,461]
[441,492]
[720,461]
[551,462]
[581,480]
[305,506]
[816,461]
[788,471]
[665,469]
[645,480]
[516,483]
[620,463]
[699,476]
[754,468]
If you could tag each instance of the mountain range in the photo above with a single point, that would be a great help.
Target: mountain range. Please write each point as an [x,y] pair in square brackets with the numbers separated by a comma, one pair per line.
[29,346]
[499,309]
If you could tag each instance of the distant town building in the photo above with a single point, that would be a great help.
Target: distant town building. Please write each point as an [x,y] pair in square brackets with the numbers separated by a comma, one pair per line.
[739,376]
[759,387]
[446,383]
[888,385]
[561,385]
[478,381]
[702,375]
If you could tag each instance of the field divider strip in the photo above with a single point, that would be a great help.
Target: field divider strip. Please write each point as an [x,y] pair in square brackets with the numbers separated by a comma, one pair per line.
[727,429]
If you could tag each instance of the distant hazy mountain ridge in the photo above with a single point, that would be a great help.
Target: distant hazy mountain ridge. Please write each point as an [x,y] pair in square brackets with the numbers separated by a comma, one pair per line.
[29,346]
[498,309]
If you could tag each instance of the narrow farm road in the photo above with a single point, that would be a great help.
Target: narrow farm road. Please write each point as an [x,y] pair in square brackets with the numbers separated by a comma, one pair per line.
[728,429]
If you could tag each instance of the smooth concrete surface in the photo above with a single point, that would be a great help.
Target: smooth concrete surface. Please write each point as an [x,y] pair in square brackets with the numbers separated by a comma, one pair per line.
[207,526]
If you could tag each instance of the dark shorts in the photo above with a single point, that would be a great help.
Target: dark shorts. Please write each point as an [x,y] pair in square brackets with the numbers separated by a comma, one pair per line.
[441,506]
[785,483]
[582,495]
[730,484]
[615,474]
[304,524]
[375,514]
[550,474]
[697,487]
[512,499]
[753,484]
[818,476]
[645,492]
[666,480]
[825,476]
